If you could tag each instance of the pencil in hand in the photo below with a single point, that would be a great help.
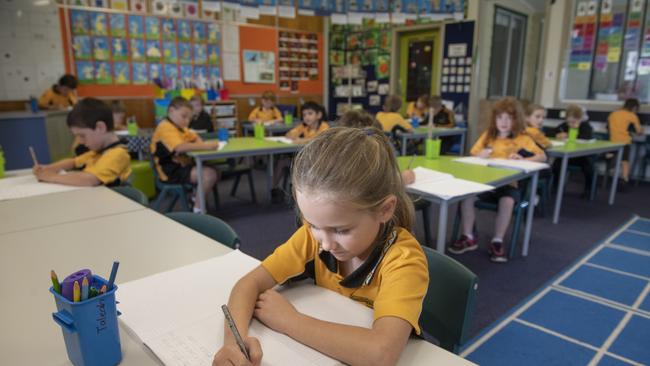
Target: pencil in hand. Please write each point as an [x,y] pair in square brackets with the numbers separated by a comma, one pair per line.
[33,153]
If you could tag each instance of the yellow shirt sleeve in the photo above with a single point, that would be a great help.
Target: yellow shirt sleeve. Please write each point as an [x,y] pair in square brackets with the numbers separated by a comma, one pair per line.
[527,142]
[295,132]
[253,115]
[83,159]
[479,144]
[539,137]
[45,99]
[404,283]
[276,113]
[111,165]
[402,122]
[409,109]
[170,136]
[289,259]
[637,123]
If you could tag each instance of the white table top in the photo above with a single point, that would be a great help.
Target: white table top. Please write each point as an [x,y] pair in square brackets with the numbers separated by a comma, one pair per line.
[57,208]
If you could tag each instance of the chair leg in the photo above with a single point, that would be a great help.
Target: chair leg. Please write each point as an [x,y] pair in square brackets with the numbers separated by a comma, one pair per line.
[594,185]
[235,185]
[515,231]
[251,186]
[454,231]
[427,229]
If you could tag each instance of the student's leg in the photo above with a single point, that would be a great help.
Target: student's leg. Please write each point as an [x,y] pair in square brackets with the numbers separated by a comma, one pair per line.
[587,166]
[504,214]
[468,216]
[209,179]
[281,164]
[625,170]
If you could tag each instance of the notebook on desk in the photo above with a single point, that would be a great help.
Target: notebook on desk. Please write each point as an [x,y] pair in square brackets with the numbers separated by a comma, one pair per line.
[282,139]
[444,185]
[523,165]
[177,314]
[27,186]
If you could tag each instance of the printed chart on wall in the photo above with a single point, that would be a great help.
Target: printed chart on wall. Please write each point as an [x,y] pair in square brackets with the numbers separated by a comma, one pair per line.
[457,65]
[121,49]
[259,67]
[298,53]
[583,36]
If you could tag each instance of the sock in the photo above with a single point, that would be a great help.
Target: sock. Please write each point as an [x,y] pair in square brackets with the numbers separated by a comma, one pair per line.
[469,236]
[196,210]
[497,240]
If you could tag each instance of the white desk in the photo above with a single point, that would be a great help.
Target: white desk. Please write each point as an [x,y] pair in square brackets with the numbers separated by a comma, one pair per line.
[57,208]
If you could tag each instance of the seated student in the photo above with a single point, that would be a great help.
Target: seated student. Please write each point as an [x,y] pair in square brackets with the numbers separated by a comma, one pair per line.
[61,95]
[419,108]
[442,117]
[169,143]
[355,240]
[200,118]
[362,119]
[313,123]
[535,114]
[267,113]
[119,115]
[107,162]
[575,119]
[390,117]
[505,138]
[619,124]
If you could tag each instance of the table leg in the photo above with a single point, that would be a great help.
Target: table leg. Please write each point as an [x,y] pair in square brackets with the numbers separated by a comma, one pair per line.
[560,189]
[199,185]
[462,144]
[269,178]
[617,170]
[404,145]
[442,227]
[531,212]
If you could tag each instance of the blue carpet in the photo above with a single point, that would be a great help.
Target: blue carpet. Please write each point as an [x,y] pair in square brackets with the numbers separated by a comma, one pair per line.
[587,308]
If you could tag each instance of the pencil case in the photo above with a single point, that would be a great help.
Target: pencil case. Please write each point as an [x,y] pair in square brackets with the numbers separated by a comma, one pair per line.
[89,327]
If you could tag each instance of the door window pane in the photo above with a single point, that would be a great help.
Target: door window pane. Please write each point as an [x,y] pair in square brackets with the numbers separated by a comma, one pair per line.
[507,56]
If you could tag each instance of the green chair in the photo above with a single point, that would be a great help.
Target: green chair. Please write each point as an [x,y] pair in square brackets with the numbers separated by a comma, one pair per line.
[209,226]
[142,177]
[448,307]
[133,194]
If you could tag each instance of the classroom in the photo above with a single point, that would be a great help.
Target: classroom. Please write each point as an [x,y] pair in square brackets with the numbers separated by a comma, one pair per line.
[325,182]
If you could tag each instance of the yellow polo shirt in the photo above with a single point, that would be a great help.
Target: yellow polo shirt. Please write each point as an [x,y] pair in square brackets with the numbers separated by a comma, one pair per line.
[411,111]
[265,115]
[619,123]
[503,148]
[388,120]
[304,132]
[393,280]
[538,136]
[164,141]
[50,99]
[112,165]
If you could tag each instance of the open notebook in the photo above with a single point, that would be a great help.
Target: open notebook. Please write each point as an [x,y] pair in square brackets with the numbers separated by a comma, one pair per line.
[523,165]
[444,185]
[282,139]
[27,185]
[177,314]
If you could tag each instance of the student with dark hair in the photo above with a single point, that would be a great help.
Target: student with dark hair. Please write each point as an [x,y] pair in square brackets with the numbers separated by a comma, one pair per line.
[61,95]
[619,124]
[107,161]
[200,118]
[390,117]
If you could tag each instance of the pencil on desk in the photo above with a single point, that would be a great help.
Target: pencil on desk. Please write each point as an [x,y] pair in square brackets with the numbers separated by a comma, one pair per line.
[31,151]
[411,162]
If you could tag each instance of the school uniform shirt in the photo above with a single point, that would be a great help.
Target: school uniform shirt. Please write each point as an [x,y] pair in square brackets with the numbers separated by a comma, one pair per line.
[538,136]
[303,132]
[619,123]
[444,118]
[202,122]
[504,147]
[265,115]
[51,98]
[411,111]
[111,165]
[164,141]
[393,280]
[388,120]
[585,131]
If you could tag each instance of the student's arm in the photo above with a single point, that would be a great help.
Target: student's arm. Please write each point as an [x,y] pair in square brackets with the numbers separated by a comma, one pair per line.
[242,304]
[65,164]
[193,146]
[479,149]
[637,125]
[402,122]
[277,116]
[253,116]
[81,179]
[380,345]
[408,177]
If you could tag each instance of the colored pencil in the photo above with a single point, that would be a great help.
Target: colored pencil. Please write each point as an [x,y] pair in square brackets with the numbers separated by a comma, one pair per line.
[76,292]
[84,289]
[111,279]
[55,282]
[31,151]
[103,290]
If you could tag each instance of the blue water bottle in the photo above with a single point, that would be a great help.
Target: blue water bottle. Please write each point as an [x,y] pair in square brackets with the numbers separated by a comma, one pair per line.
[415,122]
[33,104]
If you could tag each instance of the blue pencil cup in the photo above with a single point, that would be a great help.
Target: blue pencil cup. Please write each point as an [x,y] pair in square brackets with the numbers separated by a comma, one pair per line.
[223,134]
[415,122]
[89,327]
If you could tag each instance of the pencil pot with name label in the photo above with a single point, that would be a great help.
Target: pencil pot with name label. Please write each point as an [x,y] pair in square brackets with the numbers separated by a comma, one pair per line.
[89,326]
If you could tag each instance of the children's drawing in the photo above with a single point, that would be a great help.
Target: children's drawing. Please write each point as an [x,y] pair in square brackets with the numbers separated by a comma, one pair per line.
[185,52]
[80,22]
[186,74]
[136,27]
[137,50]
[121,73]
[198,31]
[153,52]
[152,27]
[213,54]
[85,72]
[171,72]
[213,32]
[140,74]
[82,48]
[200,56]
[100,48]
[99,23]
[118,25]
[103,73]
[119,49]
[201,76]
[168,30]
[155,72]
[169,52]
[184,32]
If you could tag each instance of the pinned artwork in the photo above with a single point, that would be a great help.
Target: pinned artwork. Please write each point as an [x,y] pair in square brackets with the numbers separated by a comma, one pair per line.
[100,48]
[103,74]
[155,72]
[85,72]
[185,53]
[121,73]
[170,53]
[213,32]
[171,71]
[82,48]
[80,22]
[99,24]
[153,52]
[198,31]
[200,54]
[119,49]
[118,25]
[213,54]
[168,30]
[136,26]
[140,73]
[137,50]
[184,31]
[152,27]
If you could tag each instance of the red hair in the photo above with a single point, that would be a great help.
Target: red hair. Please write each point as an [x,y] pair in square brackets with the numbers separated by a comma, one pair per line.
[511,106]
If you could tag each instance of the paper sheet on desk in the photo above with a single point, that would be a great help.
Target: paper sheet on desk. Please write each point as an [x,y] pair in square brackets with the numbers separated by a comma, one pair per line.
[222,145]
[523,165]
[28,186]
[282,139]
[556,143]
[177,313]
[444,185]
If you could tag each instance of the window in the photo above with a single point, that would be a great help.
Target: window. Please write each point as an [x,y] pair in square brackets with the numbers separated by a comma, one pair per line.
[507,56]
[609,51]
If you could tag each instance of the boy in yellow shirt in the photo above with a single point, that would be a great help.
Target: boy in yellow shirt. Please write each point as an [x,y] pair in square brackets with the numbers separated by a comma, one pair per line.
[418,109]
[619,123]
[170,142]
[107,161]
[390,117]
[267,113]
[61,95]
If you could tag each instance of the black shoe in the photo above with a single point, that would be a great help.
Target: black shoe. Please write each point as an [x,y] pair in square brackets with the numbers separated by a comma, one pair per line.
[277,195]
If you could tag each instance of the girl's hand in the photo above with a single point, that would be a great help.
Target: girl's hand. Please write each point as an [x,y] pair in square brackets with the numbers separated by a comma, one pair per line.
[515,157]
[43,174]
[212,145]
[230,354]
[485,153]
[408,177]
[561,136]
[275,311]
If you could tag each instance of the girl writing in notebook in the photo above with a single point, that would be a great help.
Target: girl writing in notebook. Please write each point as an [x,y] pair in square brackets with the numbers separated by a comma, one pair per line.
[505,138]
[355,240]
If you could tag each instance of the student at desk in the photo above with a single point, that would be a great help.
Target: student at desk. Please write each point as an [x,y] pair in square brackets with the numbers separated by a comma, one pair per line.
[390,117]
[619,124]
[200,118]
[107,161]
[355,240]
[61,95]
[267,114]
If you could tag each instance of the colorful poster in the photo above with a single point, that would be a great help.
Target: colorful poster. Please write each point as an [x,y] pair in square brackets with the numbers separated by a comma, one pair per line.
[155,72]
[118,25]
[170,54]
[213,32]
[338,6]
[168,30]
[153,52]
[121,73]
[198,31]
[214,74]
[259,67]
[99,24]
[80,21]
[185,52]
[103,74]
[152,27]
[100,48]
[213,54]
[382,68]
[184,32]
[186,73]
[337,58]
[171,72]
[119,49]
[200,54]
[81,47]
[140,74]
[200,76]
[85,72]
[615,40]
[410,6]
[122,5]
[136,26]
[137,50]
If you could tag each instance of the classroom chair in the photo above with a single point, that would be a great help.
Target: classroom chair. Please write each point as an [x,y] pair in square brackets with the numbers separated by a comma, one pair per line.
[423,205]
[641,162]
[209,226]
[286,108]
[544,185]
[448,306]
[142,177]
[133,194]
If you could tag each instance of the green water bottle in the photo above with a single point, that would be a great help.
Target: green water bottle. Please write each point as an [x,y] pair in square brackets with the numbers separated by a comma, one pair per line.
[2,163]
[132,126]
[288,119]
